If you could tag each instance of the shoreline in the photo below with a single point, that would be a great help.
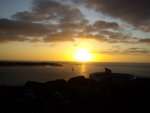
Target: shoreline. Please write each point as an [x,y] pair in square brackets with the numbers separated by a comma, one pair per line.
[30,64]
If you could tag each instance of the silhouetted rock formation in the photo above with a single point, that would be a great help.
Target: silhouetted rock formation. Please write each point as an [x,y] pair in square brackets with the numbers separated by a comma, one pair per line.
[77,95]
[108,71]
[108,76]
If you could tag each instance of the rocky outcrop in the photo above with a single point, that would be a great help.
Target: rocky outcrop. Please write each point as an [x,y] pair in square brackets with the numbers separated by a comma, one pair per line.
[108,76]
[77,95]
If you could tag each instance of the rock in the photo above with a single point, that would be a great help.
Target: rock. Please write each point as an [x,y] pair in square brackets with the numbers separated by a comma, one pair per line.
[101,76]
[78,94]
[78,81]
[32,84]
[109,77]
[108,71]
[56,84]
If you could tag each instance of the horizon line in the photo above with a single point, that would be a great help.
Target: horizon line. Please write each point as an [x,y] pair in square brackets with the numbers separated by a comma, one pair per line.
[65,61]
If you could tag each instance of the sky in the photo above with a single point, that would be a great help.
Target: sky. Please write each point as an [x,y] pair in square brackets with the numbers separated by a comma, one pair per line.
[52,30]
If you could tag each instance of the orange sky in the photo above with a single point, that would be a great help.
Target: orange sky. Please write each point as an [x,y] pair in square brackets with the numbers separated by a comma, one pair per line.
[58,52]
[54,30]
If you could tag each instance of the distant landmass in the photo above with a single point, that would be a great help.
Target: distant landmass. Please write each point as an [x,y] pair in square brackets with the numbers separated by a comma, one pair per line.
[28,63]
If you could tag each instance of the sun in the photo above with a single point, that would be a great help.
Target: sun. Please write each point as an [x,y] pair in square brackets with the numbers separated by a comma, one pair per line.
[83,55]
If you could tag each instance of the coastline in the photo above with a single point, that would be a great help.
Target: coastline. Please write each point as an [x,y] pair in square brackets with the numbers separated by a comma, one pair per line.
[25,63]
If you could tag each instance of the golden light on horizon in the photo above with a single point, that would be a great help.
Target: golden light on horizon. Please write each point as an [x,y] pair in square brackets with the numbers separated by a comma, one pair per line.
[83,55]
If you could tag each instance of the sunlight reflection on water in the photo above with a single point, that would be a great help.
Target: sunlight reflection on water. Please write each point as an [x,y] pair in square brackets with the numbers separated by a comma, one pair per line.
[20,75]
[83,69]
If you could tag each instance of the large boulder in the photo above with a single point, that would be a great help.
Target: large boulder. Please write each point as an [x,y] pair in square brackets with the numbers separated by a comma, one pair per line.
[78,81]
[100,76]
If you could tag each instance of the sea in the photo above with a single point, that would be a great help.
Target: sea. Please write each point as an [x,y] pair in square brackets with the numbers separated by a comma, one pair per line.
[19,75]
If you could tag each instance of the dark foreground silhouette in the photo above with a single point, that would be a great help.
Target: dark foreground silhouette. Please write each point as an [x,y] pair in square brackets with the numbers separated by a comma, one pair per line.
[77,95]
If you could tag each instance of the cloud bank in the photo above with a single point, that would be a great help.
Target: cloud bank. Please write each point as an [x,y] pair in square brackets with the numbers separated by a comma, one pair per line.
[51,21]
[135,12]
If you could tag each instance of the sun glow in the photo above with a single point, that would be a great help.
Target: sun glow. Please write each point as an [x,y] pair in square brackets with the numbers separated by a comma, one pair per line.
[83,55]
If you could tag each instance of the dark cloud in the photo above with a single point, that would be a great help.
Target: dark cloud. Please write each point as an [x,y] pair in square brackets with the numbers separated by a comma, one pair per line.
[116,35]
[24,31]
[30,16]
[59,37]
[11,30]
[147,40]
[50,10]
[98,37]
[126,51]
[50,21]
[19,31]
[6,37]
[135,12]
[100,25]
[105,25]
[137,51]
[108,39]
[67,19]
[73,27]
[23,28]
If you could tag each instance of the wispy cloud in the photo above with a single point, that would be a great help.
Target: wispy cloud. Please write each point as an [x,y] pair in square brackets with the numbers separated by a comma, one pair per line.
[132,51]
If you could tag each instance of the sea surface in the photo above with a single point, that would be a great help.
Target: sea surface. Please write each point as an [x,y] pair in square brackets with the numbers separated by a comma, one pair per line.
[20,75]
